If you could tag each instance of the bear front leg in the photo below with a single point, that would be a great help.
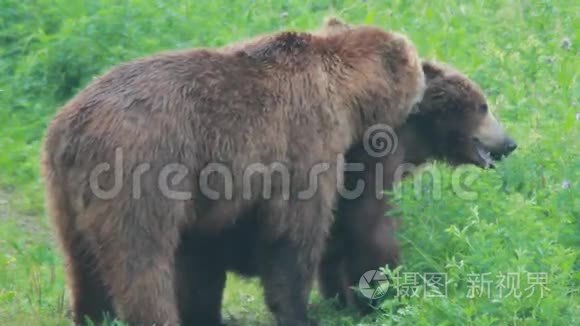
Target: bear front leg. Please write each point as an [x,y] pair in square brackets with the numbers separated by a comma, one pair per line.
[287,281]
[332,276]
[371,251]
[290,256]
[200,277]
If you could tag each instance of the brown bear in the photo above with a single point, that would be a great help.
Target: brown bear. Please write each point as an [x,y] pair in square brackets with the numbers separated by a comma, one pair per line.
[453,124]
[146,169]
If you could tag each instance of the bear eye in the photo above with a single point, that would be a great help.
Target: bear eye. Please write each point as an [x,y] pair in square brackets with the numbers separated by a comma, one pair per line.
[483,108]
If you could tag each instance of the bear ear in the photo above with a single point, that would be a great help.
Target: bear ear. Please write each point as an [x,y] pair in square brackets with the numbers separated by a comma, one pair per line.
[435,100]
[433,69]
[334,24]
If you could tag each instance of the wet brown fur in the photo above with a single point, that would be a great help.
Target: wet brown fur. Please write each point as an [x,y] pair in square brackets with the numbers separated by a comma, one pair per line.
[290,97]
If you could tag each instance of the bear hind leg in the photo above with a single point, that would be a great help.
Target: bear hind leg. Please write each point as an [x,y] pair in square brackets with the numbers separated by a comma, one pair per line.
[137,265]
[89,297]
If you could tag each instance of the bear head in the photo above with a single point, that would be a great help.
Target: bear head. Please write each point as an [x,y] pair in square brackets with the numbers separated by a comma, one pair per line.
[456,121]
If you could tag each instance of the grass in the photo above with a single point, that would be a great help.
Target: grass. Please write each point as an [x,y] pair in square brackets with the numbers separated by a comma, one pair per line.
[524,221]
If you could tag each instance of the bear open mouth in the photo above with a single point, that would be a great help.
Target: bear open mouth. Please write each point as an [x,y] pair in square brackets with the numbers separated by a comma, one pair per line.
[484,156]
